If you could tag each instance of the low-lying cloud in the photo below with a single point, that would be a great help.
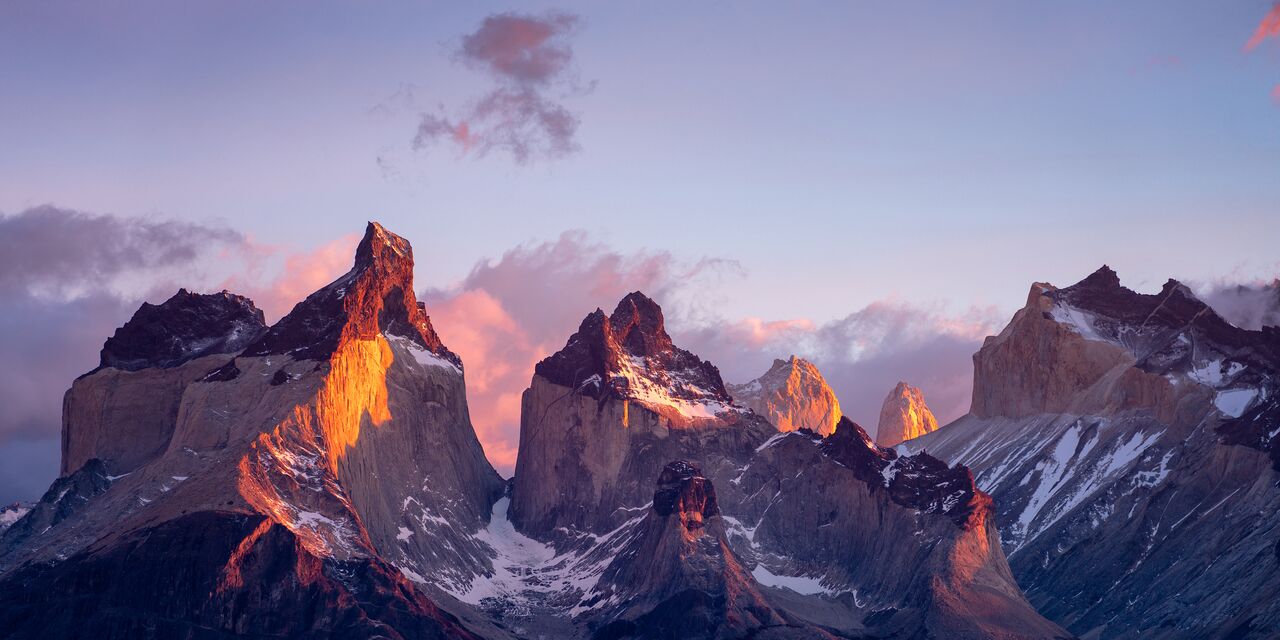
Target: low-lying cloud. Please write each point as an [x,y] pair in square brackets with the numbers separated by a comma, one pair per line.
[511,312]
[69,278]
[862,355]
[529,59]
[1249,306]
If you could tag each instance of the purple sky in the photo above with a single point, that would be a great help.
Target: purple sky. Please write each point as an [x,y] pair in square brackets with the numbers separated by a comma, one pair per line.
[873,187]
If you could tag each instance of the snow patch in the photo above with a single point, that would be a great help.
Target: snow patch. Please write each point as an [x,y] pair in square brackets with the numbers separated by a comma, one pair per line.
[803,585]
[1234,402]
[421,355]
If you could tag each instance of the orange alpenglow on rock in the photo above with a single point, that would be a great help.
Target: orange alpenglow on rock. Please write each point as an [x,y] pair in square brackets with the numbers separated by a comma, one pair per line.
[792,395]
[904,416]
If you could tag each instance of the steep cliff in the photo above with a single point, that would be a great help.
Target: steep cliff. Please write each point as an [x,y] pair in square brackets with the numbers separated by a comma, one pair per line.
[316,468]
[751,531]
[1128,441]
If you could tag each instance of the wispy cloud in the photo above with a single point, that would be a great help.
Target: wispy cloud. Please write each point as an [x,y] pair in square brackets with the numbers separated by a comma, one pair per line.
[529,58]
[1268,28]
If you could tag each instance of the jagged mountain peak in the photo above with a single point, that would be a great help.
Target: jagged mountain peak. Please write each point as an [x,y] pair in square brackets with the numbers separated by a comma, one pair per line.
[904,415]
[638,325]
[375,297]
[379,246]
[185,327]
[629,355]
[1103,278]
[918,481]
[792,394]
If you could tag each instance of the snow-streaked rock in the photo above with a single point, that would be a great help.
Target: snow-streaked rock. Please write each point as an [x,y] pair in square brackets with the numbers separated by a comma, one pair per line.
[1107,425]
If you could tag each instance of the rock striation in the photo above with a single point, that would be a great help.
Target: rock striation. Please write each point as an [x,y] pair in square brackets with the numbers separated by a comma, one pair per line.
[1128,441]
[792,395]
[904,416]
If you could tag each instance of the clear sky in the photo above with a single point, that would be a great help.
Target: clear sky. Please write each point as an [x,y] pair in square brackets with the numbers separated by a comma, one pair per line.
[937,155]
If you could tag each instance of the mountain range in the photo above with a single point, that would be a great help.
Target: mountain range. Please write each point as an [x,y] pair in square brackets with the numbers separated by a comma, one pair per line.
[321,478]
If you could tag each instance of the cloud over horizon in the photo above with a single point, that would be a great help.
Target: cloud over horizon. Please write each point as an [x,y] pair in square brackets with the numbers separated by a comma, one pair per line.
[509,313]
[529,58]
[70,278]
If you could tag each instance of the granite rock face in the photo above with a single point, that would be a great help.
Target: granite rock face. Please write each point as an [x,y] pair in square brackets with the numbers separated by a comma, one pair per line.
[1128,442]
[324,481]
[792,395]
[903,416]
[123,412]
[749,531]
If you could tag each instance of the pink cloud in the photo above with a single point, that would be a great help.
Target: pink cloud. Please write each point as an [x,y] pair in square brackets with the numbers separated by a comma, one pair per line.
[1269,27]
[509,313]
[300,273]
[527,56]
[498,355]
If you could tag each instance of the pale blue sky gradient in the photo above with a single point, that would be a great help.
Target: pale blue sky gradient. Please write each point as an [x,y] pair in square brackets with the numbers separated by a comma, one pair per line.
[842,152]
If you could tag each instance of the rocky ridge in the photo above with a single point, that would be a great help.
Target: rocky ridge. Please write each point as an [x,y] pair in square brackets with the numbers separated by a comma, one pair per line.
[1128,442]
[790,510]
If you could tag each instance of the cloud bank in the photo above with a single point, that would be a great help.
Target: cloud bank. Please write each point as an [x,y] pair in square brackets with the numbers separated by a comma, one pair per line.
[529,59]
[511,312]
[69,278]
[1249,306]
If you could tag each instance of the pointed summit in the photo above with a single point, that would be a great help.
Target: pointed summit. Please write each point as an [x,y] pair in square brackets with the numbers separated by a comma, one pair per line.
[638,325]
[1104,278]
[380,246]
[374,297]
[792,395]
[904,416]
[630,355]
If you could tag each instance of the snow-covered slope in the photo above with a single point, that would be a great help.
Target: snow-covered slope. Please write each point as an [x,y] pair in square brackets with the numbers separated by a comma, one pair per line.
[1127,440]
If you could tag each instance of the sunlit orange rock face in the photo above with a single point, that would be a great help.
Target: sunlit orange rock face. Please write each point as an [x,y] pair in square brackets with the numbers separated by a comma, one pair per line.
[327,455]
[792,395]
[903,416]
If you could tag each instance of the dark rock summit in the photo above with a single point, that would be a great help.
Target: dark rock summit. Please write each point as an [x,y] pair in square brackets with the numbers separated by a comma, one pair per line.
[683,490]
[184,327]
[621,355]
